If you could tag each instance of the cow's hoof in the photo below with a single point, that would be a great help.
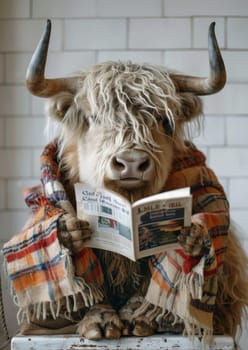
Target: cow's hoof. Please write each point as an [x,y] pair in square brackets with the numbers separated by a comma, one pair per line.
[170,324]
[99,322]
[143,327]
[126,314]
[89,330]
[112,331]
[138,326]
[127,329]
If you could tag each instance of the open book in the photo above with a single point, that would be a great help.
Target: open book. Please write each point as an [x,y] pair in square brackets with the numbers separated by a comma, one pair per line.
[148,226]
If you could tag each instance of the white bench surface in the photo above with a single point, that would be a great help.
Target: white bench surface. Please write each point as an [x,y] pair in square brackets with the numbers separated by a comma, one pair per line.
[155,342]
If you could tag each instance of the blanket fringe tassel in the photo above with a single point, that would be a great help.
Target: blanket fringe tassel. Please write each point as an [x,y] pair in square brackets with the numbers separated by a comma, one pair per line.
[89,295]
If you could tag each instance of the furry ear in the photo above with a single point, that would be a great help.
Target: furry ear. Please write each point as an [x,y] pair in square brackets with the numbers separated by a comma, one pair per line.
[59,104]
[191,106]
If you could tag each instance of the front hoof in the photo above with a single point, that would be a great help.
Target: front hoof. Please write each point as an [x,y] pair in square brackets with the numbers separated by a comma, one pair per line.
[91,331]
[127,329]
[99,322]
[112,332]
[143,328]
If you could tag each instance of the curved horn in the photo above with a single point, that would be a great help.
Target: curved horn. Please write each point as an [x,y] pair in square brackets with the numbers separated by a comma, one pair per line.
[217,75]
[36,82]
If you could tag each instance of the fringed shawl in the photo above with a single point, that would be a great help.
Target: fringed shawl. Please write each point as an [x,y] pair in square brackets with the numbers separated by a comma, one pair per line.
[183,285]
[45,278]
[44,274]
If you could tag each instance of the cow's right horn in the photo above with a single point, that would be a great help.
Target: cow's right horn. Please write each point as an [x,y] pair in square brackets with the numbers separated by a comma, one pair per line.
[217,73]
[36,82]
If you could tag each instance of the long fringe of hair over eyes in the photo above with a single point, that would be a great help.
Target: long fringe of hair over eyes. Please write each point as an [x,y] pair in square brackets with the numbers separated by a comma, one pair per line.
[118,94]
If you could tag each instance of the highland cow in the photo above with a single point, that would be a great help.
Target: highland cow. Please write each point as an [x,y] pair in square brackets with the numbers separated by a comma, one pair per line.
[123,127]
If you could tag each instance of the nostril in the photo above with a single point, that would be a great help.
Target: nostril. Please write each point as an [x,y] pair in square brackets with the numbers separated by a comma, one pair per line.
[118,163]
[144,165]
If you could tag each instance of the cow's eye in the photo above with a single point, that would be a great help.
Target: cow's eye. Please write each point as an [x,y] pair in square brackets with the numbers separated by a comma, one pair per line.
[168,127]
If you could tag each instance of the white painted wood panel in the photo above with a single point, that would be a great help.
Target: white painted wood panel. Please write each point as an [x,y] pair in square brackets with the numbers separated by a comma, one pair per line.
[156,342]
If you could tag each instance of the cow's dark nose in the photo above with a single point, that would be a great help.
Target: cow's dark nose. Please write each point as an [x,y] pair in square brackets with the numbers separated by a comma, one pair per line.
[131,164]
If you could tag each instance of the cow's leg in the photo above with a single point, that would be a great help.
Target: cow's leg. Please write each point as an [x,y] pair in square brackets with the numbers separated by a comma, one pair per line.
[100,321]
[143,325]
[144,321]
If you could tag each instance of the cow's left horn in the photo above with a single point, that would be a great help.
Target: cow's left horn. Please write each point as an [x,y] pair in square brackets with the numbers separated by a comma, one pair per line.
[217,75]
[36,82]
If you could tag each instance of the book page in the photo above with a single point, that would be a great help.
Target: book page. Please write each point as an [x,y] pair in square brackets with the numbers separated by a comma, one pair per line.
[178,193]
[158,221]
[110,219]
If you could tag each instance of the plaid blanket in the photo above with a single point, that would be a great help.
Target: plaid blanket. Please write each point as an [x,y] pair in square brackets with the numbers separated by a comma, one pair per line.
[181,284]
[44,275]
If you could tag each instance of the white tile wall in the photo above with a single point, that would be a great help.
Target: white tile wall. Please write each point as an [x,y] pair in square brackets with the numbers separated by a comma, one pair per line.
[231,100]
[35,171]
[169,32]
[189,63]
[15,8]
[95,34]
[15,67]
[25,132]
[15,162]
[2,132]
[155,33]
[212,132]
[13,100]
[205,8]
[15,189]
[2,194]
[62,8]
[1,68]
[37,105]
[229,161]
[236,187]
[239,217]
[236,61]
[129,8]
[237,31]
[10,227]
[131,55]
[236,131]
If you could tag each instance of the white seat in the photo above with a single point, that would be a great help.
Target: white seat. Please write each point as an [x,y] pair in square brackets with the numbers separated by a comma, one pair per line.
[155,342]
